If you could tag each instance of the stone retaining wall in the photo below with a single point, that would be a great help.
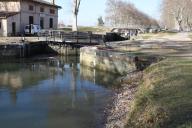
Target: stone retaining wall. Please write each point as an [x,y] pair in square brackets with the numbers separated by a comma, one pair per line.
[64,50]
[106,60]
[19,50]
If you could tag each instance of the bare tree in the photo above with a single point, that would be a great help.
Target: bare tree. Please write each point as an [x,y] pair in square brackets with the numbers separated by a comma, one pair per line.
[100,21]
[124,14]
[112,12]
[76,4]
[188,15]
[177,13]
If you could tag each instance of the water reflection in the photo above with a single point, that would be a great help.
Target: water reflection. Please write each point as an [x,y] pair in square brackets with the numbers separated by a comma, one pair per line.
[51,92]
[99,77]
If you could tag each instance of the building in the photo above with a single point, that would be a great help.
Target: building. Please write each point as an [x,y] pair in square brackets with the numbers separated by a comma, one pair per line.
[16,14]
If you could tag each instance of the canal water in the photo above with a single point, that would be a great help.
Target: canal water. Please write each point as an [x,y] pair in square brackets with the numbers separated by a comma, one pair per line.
[52,92]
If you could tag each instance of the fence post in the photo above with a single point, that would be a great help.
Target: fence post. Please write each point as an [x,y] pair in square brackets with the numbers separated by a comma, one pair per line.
[90,37]
[77,37]
[54,36]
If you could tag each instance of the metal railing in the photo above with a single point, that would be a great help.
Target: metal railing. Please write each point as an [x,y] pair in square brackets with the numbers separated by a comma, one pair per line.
[71,37]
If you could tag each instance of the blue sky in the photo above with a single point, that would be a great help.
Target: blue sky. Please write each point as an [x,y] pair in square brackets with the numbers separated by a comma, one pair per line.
[90,10]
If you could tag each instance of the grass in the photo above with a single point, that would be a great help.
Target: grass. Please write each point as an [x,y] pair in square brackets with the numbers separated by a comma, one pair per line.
[166,34]
[93,29]
[146,36]
[190,35]
[67,29]
[156,35]
[86,29]
[164,99]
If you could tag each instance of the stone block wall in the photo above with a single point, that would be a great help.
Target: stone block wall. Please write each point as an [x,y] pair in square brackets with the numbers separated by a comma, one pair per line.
[106,60]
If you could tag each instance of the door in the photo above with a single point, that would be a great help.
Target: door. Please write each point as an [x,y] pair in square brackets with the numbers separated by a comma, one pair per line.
[51,23]
[13,28]
[42,22]
[31,20]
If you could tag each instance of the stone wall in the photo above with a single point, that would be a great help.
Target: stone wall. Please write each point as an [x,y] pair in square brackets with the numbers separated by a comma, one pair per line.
[106,60]
[11,50]
[64,50]
[20,50]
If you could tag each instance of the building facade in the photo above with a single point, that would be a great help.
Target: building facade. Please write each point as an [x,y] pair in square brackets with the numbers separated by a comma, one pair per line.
[16,14]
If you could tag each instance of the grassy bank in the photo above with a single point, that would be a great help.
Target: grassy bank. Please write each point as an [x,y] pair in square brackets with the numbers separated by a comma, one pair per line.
[87,28]
[156,35]
[164,98]
[190,35]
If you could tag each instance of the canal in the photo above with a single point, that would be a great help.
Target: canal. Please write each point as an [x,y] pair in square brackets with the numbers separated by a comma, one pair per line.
[52,92]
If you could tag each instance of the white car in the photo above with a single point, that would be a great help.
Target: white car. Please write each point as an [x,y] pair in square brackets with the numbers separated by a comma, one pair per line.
[32,29]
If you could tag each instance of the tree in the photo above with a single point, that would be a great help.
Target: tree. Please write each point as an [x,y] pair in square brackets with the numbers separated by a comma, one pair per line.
[100,21]
[177,13]
[76,4]
[188,14]
[120,13]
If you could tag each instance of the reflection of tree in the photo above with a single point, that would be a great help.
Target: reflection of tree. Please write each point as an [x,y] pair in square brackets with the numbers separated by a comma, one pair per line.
[13,95]
[15,76]
[73,83]
[66,104]
[14,82]
[98,77]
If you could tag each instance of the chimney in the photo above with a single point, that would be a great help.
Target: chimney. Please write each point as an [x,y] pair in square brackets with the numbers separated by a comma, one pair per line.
[53,1]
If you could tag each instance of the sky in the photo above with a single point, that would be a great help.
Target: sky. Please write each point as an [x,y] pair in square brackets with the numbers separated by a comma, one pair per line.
[90,10]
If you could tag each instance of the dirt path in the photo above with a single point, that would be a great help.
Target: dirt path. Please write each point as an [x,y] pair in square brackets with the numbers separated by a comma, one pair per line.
[121,105]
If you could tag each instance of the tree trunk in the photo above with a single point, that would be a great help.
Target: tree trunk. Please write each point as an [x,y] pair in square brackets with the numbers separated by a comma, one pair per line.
[76,4]
[74,25]
[180,25]
[188,25]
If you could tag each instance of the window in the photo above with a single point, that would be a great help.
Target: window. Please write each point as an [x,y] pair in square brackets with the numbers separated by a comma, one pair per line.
[31,7]
[52,11]
[51,23]
[42,9]
[27,27]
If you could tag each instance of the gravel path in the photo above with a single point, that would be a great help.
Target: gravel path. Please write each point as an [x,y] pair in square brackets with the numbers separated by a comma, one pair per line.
[120,108]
